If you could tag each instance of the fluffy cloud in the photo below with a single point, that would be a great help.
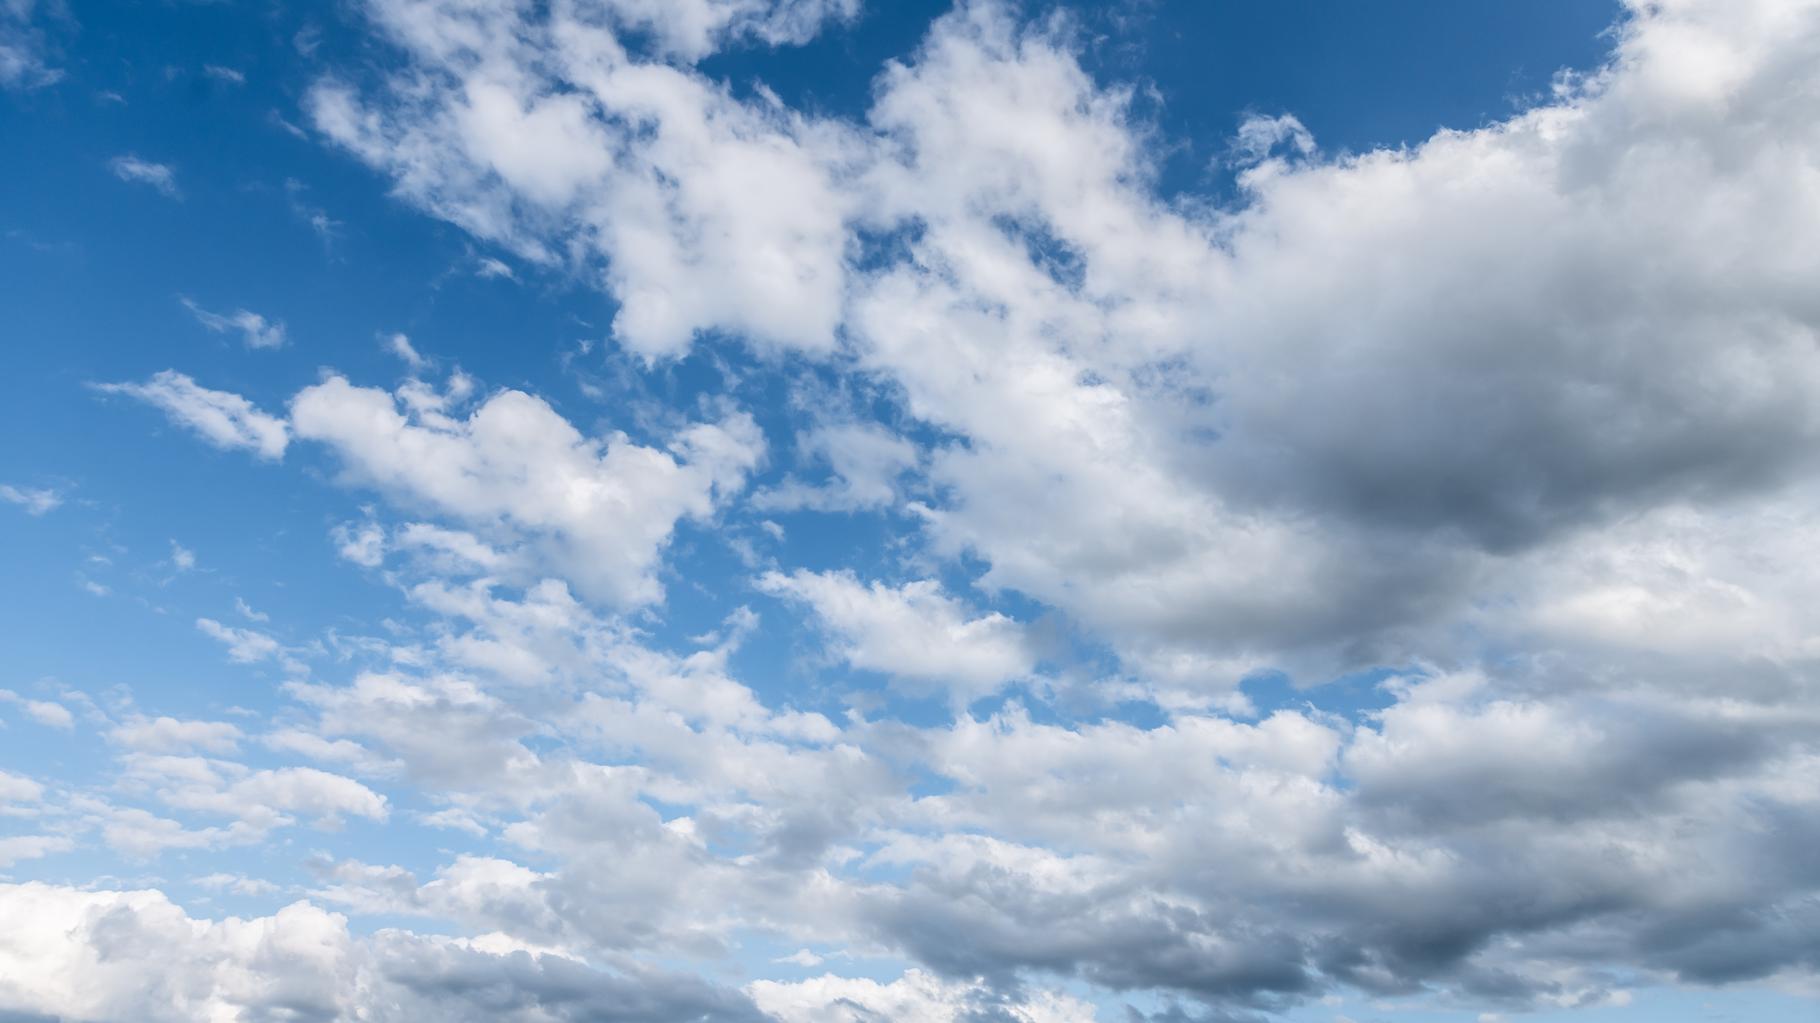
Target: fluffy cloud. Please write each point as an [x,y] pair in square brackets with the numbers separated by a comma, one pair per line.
[864,463]
[691,29]
[45,712]
[655,188]
[135,955]
[914,996]
[1524,412]
[913,632]
[602,509]
[169,735]
[1301,432]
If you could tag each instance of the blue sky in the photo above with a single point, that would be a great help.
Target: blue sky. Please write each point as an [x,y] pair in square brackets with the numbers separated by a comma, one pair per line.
[819,510]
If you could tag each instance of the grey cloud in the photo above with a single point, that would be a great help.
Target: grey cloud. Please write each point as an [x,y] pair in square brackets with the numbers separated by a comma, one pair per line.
[118,957]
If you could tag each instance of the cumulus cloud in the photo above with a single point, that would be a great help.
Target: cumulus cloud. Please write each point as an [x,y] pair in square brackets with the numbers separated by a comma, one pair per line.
[45,712]
[136,955]
[602,508]
[692,29]
[1166,437]
[169,735]
[915,996]
[665,218]
[222,418]
[914,632]
[864,463]
[1524,413]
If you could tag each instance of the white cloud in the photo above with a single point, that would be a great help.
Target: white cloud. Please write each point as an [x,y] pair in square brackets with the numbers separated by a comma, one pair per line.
[223,419]
[18,789]
[159,176]
[362,544]
[52,715]
[23,47]
[136,955]
[245,646]
[493,269]
[916,995]
[255,331]
[236,883]
[35,500]
[400,346]
[16,848]
[182,558]
[682,248]
[168,735]
[693,29]
[600,510]
[914,632]
[865,462]
[1531,400]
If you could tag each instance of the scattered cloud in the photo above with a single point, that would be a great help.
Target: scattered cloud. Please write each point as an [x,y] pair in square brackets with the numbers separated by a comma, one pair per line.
[224,419]
[159,176]
[400,346]
[35,500]
[255,330]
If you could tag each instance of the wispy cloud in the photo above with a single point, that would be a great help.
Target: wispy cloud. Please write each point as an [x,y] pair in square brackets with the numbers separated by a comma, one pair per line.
[222,418]
[400,345]
[255,330]
[35,500]
[160,176]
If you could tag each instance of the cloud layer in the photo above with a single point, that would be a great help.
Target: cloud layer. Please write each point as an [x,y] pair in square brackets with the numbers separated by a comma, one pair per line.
[1510,432]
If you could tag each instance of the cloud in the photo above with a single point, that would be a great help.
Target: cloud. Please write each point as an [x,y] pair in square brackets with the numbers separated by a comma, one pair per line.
[245,646]
[255,330]
[400,346]
[601,509]
[665,219]
[493,269]
[168,735]
[916,995]
[18,789]
[913,632]
[135,954]
[363,545]
[865,463]
[35,500]
[693,29]
[1522,412]
[1165,436]
[23,47]
[17,848]
[159,176]
[52,715]
[225,420]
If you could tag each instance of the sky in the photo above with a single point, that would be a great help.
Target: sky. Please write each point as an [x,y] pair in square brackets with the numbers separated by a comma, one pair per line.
[832,511]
